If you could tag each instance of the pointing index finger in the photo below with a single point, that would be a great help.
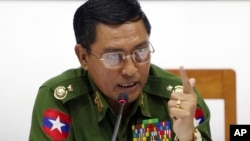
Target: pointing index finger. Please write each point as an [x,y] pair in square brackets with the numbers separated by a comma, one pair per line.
[186,82]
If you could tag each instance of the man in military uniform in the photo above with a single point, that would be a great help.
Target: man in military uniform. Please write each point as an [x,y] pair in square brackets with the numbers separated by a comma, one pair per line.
[114,51]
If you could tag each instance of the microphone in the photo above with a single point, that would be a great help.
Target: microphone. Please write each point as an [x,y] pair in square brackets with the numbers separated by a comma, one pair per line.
[122,99]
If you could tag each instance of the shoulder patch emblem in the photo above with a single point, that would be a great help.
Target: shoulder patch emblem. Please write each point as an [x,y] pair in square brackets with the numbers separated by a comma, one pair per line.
[56,124]
[199,117]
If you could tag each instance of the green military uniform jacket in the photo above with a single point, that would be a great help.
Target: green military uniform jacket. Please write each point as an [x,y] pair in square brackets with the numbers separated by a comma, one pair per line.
[69,107]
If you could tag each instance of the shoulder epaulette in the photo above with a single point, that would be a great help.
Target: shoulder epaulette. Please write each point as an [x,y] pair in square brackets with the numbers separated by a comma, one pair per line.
[70,84]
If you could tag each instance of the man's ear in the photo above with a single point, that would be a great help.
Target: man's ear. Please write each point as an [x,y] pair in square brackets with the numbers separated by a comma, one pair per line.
[82,56]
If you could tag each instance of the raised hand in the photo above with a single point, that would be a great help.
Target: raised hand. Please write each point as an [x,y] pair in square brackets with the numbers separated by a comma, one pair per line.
[182,107]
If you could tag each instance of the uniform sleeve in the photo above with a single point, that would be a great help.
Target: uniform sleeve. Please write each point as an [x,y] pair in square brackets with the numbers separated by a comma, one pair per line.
[202,119]
[50,120]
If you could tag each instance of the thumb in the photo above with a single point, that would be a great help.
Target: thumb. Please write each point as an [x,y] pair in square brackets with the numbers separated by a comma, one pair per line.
[192,82]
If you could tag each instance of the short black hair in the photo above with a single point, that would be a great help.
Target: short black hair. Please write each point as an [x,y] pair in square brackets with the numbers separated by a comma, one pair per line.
[92,12]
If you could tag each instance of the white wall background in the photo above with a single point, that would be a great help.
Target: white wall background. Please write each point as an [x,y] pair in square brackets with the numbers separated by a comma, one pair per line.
[37,42]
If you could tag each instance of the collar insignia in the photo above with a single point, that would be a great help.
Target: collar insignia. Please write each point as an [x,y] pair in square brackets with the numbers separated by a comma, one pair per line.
[98,102]
[142,99]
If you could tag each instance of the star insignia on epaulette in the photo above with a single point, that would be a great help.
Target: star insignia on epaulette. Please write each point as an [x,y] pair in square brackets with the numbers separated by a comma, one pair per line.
[70,88]
[169,88]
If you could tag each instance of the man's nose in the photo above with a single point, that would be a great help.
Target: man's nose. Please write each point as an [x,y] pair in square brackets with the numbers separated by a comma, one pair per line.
[129,67]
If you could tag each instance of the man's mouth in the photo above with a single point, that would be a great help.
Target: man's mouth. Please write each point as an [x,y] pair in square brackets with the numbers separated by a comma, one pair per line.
[127,85]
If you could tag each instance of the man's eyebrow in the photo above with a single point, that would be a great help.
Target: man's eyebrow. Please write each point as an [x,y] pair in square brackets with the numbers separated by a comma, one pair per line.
[142,44]
[113,49]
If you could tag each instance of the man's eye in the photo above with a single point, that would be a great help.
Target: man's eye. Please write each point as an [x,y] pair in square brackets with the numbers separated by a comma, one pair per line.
[141,52]
[112,59]
[112,56]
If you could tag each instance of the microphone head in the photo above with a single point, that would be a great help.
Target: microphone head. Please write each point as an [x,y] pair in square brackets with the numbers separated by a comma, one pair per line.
[122,98]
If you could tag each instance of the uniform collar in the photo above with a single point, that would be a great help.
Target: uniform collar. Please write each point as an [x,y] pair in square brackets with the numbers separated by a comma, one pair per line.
[98,100]
[102,106]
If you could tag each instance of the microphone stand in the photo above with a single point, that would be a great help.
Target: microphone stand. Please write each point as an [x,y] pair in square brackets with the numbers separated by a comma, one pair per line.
[118,121]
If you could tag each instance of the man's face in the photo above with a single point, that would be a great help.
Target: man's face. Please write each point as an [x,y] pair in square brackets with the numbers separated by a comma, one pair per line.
[129,77]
